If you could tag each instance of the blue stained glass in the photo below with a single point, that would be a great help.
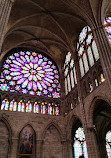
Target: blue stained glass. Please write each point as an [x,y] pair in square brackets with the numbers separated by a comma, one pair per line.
[15,106]
[36,108]
[28,52]
[49,80]
[24,83]
[8,61]
[80,147]
[30,72]
[23,58]
[11,106]
[108,143]
[45,91]
[39,86]
[32,92]
[47,83]
[17,77]
[27,58]
[85,49]
[3,105]
[40,61]
[22,53]
[17,88]
[16,63]
[4,87]
[2,80]
[107,23]
[20,61]
[77,149]
[29,85]
[6,72]
[20,81]
[14,66]
[12,83]
[16,54]
[49,69]
[46,67]
[6,66]
[12,57]
[54,85]
[50,89]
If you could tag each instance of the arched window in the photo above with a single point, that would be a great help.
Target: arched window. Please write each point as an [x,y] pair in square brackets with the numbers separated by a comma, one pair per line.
[87,50]
[79,145]
[5,104]
[108,143]
[13,105]
[21,106]
[69,73]
[30,73]
[107,24]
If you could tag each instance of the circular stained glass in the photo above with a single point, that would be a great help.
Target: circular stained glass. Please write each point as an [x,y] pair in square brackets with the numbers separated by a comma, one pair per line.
[30,72]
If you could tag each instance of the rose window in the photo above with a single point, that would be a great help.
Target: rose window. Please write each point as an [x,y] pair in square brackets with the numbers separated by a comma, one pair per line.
[30,72]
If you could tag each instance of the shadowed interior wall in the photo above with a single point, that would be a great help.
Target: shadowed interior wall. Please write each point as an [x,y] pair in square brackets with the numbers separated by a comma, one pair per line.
[52,147]
[4,134]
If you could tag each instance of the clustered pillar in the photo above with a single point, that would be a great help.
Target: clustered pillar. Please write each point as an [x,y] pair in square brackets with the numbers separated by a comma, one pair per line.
[104,51]
[5,9]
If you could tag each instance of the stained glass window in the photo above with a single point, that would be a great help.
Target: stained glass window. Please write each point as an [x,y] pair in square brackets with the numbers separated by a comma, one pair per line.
[21,106]
[69,73]
[28,106]
[108,143]
[5,104]
[36,107]
[79,145]
[30,72]
[87,50]
[107,23]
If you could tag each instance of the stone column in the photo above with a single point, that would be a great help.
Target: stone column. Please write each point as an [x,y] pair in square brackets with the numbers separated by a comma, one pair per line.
[104,50]
[5,9]
[64,148]
[14,148]
[62,83]
[91,142]
[69,149]
[39,147]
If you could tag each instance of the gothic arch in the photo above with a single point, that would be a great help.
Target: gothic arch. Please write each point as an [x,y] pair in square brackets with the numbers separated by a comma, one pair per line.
[52,123]
[73,119]
[27,124]
[92,107]
[104,6]
[52,141]
[4,121]
[27,141]
[102,123]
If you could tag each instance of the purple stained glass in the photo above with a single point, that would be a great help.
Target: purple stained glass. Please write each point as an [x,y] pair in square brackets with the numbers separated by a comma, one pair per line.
[30,72]
[107,23]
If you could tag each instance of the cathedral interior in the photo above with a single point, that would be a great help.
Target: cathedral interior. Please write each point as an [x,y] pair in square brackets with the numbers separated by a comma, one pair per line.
[55,78]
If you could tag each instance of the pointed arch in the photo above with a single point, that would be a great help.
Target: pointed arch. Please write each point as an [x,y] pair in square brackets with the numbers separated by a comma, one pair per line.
[93,105]
[52,144]
[5,136]
[26,144]
[52,123]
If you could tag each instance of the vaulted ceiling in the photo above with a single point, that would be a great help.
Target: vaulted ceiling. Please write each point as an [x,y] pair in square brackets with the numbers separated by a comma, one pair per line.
[49,25]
